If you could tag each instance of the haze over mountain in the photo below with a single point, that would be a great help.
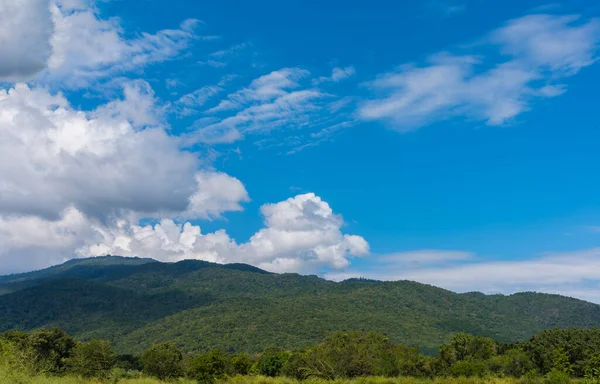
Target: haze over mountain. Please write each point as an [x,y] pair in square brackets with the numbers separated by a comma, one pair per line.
[135,302]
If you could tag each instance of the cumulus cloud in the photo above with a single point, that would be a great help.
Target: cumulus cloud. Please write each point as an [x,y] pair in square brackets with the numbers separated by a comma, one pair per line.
[25,31]
[535,53]
[301,234]
[32,242]
[65,173]
[67,42]
[216,193]
[53,156]
[100,162]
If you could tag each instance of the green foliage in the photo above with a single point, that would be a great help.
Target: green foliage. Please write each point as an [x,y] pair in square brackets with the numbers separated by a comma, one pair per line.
[241,364]
[469,368]
[128,363]
[556,376]
[209,367]
[592,369]
[44,351]
[163,361]
[513,363]
[470,347]
[94,358]
[135,303]
[271,362]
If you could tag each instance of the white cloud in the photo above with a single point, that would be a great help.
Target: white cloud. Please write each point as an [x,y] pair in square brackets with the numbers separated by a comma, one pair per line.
[542,50]
[31,242]
[264,88]
[67,42]
[280,99]
[190,103]
[216,193]
[301,234]
[337,74]
[25,31]
[86,47]
[560,43]
[138,106]
[53,157]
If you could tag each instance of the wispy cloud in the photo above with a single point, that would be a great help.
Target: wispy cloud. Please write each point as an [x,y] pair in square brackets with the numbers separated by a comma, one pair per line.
[337,74]
[190,103]
[445,8]
[534,55]
[282,98]
[86,47]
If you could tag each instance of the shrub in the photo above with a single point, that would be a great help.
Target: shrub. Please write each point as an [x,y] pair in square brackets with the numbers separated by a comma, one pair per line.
[208,367]
[271,362]
[241,364]
[351,354]
[163,361]
[556,376]
[469,368]
[92,359]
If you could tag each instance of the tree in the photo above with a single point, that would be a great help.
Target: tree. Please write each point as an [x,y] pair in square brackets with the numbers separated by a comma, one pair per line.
[241,364]
[350,354]
[271,362]
[94,358]
[163,361]
[469,347]
[45,350]
[210,366]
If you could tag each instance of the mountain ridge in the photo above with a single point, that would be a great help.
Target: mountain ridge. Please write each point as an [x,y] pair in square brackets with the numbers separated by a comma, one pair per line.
[135,302]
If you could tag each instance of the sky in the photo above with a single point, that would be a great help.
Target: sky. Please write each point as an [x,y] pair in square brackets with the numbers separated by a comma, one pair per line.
[453,143]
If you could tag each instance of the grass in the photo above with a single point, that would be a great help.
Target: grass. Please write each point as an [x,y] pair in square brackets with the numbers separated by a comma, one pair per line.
[16,378]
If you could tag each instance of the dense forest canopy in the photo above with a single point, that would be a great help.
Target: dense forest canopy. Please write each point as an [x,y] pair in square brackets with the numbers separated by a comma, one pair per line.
[135,303]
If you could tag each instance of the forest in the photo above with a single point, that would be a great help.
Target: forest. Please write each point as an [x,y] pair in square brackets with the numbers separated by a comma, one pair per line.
[134,303]
[556,356]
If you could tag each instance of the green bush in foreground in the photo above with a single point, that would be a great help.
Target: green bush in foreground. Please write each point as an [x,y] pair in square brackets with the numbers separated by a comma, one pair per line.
[164,361]
[341,357]
[92,359]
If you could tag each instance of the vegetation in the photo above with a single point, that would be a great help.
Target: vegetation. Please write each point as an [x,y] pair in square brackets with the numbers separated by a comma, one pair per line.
[555,356]
[135,303]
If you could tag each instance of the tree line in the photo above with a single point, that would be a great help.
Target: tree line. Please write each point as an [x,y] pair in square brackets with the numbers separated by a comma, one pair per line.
[554,356]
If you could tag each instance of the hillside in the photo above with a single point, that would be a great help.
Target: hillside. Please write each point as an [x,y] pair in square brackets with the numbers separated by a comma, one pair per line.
[135,302]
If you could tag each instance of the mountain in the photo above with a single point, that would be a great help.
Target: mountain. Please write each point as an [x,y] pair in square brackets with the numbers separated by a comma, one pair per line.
[136,302]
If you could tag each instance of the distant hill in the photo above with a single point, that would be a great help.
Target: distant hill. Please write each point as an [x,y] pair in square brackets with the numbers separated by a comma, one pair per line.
[136,302]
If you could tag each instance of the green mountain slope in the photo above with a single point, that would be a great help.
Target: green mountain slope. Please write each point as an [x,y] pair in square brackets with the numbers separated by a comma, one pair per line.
[236,307]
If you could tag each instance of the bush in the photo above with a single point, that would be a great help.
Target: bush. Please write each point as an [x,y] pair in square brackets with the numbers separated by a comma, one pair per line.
[163,361]
[271,362]
[43,351]
[209,366]
[469,368]
[556,376]
[351,354]
[92,359]
[531,377]
[241,364]
[128,363]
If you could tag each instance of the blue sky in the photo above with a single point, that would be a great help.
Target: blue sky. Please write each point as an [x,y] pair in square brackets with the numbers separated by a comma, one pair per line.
[453,143]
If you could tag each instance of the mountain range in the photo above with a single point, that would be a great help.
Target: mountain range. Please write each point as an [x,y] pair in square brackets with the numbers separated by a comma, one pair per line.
[135,302]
